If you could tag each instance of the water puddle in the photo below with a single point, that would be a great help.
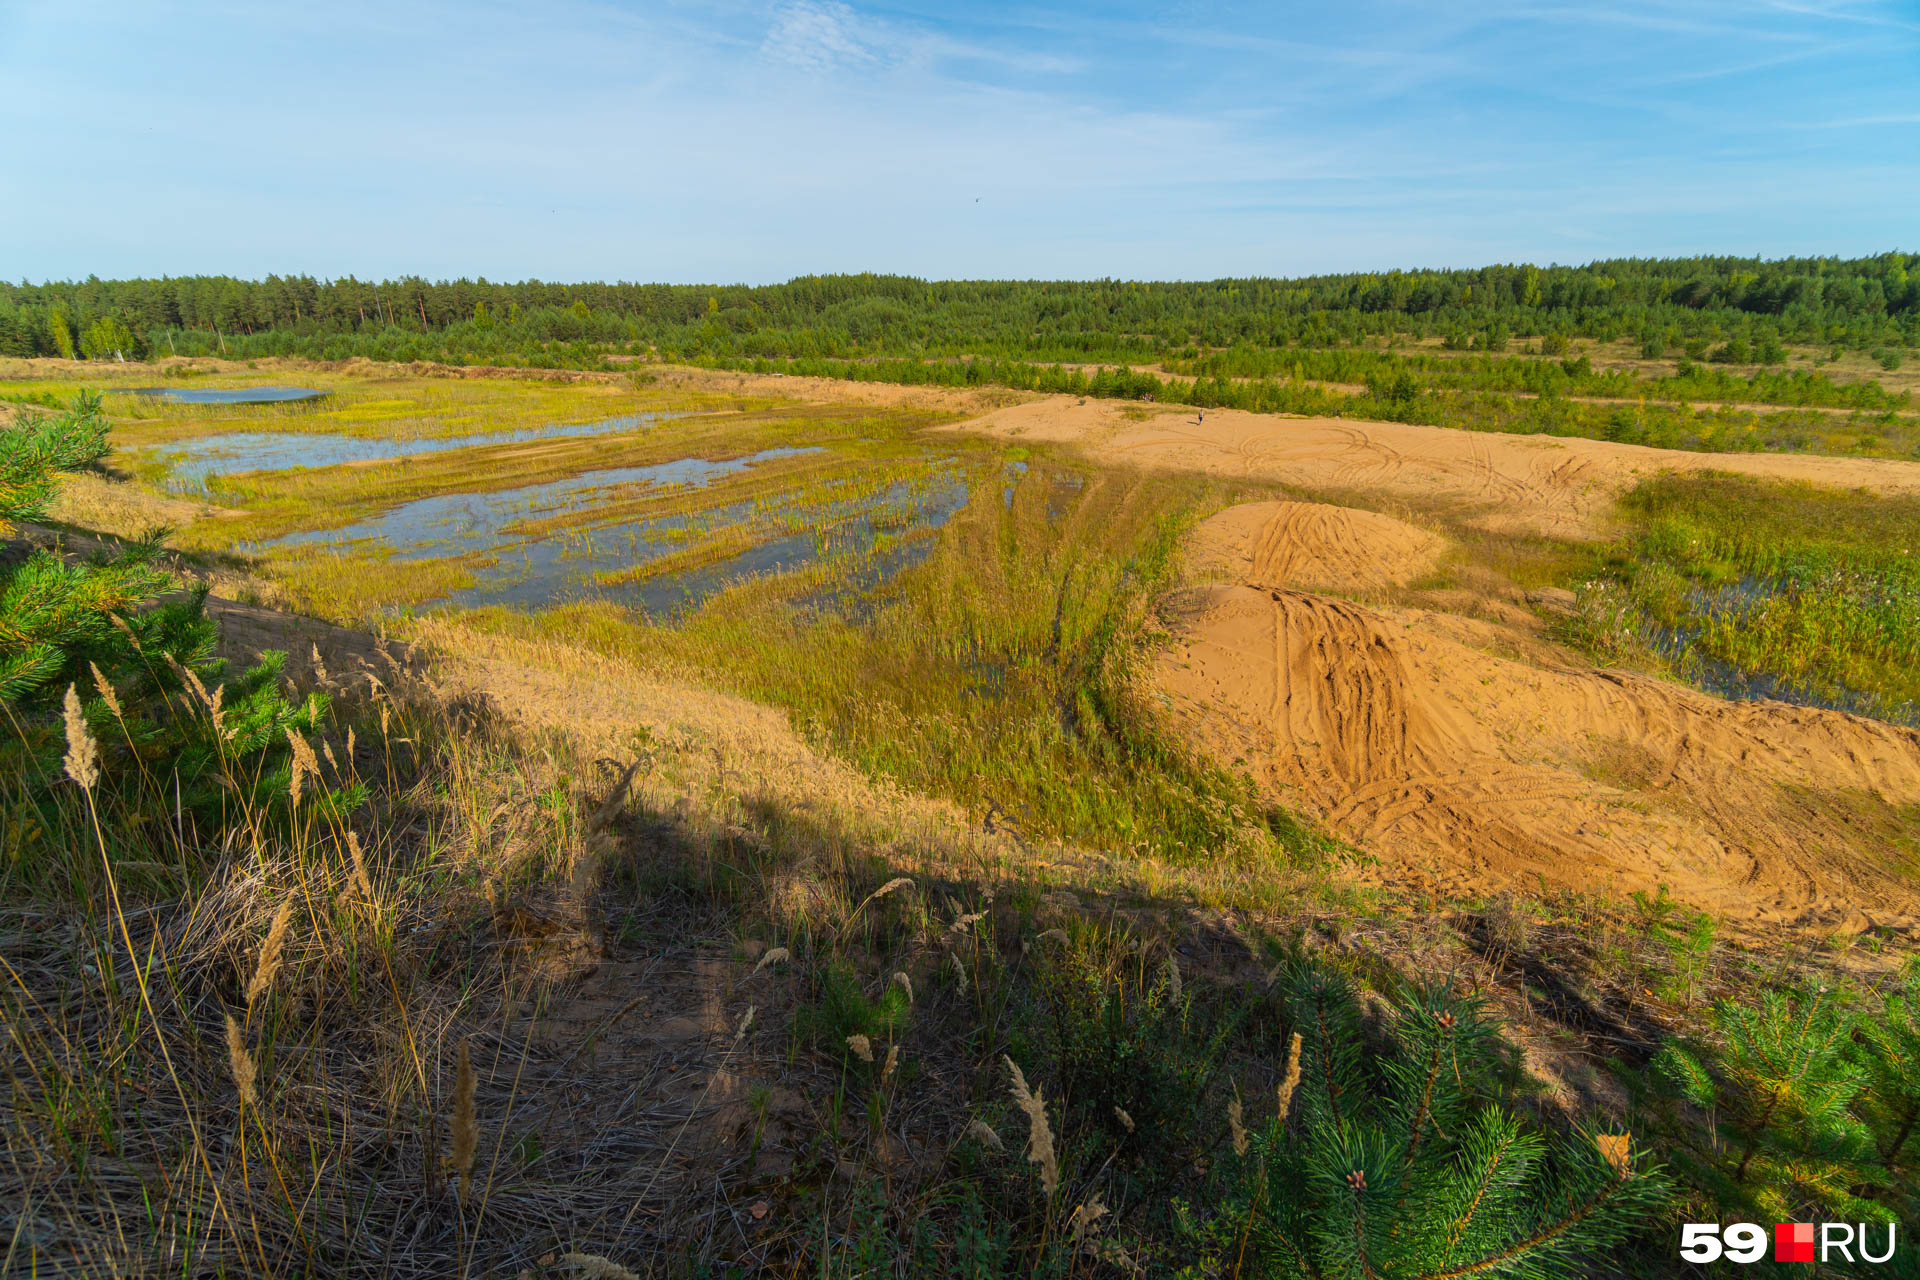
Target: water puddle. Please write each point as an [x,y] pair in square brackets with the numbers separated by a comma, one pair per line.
[1063,489]
[218,395]
[1010,475]
[191,463]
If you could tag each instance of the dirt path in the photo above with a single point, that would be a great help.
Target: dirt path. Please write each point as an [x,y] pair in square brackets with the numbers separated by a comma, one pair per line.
[1467,772]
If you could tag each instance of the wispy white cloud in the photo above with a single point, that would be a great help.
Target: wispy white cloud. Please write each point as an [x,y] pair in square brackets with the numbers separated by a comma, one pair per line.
[818,35]
[825,35]
[1874,13]
[1805,53]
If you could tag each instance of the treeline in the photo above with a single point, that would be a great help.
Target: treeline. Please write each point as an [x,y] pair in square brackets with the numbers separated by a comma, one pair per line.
[1574,376]
[1737,306]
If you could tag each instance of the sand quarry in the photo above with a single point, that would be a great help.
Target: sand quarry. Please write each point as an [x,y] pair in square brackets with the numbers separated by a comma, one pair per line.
[1459,754]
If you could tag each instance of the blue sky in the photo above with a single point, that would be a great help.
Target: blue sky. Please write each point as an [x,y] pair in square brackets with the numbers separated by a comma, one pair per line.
[750,141]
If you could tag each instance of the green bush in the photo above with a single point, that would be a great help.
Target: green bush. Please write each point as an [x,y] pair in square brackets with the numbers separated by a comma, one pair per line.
[1134,1056]
[841,1009]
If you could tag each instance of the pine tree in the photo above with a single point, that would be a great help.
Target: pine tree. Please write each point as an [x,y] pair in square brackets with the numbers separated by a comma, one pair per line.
[1889,1054]
[1396,1163]
[1780,1092]
[60,616]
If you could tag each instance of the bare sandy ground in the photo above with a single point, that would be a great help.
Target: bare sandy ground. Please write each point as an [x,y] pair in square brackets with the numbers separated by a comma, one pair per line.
[1556,485]
[1533,484]
[1467,772]
[1426,740]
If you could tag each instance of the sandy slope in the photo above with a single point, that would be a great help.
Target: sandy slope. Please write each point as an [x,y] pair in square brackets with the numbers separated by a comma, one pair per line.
[1538,484]
[1467,772]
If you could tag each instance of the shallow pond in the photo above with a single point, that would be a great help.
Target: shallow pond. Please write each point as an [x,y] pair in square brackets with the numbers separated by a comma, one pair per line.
[873,535]
[191,462]
[1718,676]
[224,395]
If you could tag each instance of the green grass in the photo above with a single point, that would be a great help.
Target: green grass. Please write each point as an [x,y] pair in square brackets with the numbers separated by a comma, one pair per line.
[1811,592]
[1002,671]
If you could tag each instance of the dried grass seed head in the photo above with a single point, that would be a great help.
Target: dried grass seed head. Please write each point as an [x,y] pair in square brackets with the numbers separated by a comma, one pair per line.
[1290,1080]
[300,767]
[268,965]
[240,1062]
[980,1131]
[104,687]
[1039,1132]
[83,753]
[1084,1216]
[360,879]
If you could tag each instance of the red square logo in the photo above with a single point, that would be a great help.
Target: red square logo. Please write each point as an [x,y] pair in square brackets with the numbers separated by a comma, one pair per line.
[1793,1242]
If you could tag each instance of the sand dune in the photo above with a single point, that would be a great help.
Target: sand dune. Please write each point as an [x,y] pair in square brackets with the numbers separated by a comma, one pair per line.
[1312,544]
[1466,772]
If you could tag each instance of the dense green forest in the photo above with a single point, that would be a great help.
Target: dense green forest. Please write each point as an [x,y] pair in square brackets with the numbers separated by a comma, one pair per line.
[1738,310]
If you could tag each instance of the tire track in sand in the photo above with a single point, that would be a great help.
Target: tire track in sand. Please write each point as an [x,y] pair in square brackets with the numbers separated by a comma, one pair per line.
[1313,544]
[1469,772]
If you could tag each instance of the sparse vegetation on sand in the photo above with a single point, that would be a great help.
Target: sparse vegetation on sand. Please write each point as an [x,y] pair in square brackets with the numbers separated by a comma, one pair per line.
[861,913]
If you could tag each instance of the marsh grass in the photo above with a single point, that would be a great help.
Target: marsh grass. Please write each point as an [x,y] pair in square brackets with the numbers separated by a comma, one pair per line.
[1765,588]
[303,499]
[394,404]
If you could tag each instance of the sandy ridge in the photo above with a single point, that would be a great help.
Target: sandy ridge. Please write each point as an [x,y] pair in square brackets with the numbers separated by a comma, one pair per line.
[1554,485]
